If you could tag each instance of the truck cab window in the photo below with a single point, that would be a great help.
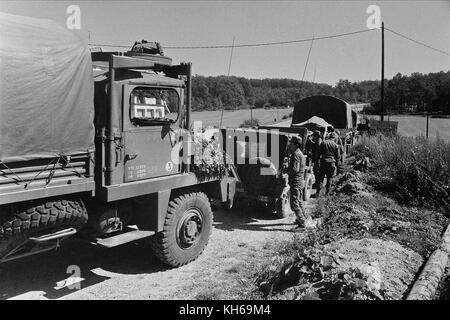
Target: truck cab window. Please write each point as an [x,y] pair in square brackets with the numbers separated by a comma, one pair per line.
[150,106]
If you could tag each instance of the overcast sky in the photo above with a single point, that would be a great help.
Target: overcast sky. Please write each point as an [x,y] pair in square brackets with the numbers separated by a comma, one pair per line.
[186,23]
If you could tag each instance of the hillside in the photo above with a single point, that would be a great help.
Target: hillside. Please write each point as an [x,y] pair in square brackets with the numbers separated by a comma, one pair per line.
[420,91]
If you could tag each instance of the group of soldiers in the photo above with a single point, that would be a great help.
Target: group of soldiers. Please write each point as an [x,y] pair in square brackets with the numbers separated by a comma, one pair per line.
[326,154]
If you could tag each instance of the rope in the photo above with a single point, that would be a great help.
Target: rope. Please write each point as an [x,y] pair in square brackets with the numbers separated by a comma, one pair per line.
[10,170]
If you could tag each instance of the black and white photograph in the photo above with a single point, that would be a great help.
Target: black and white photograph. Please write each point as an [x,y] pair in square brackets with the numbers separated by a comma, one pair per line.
[235,158]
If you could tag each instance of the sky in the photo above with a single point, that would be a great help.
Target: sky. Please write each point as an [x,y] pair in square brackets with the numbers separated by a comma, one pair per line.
[202,23]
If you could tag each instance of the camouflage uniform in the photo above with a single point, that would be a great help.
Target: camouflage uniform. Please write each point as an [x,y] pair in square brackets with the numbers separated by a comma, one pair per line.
[329,159]
[315,155]
[296,172]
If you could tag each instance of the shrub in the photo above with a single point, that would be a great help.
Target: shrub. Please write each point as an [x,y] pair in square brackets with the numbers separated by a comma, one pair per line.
[419,168]
[287,116]
[249,123]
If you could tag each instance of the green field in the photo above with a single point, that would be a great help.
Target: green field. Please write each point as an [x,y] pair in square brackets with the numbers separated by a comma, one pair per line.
[235,118]
[413,126]
[408,125]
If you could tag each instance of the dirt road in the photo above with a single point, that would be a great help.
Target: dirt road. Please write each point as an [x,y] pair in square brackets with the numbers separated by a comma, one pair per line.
[241,239]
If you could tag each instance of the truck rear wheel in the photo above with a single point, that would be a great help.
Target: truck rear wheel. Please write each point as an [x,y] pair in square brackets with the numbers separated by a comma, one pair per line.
[186,229]
[17,223]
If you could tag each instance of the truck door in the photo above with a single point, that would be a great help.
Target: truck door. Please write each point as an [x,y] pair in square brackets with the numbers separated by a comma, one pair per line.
[150,115]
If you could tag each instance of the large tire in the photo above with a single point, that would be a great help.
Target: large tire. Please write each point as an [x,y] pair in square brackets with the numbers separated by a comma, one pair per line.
[17,223]
[186,231]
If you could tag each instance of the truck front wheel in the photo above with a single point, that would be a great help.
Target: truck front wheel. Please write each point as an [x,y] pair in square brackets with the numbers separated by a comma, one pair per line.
[186,231]
[19,222]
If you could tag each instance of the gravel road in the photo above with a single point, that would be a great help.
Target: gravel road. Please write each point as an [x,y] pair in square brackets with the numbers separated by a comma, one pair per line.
[130,271]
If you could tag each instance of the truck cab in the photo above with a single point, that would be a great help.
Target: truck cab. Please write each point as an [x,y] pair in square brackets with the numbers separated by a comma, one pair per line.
[123,173]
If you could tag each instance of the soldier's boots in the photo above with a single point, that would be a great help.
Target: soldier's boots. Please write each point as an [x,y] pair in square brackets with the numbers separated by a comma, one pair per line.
[318,189]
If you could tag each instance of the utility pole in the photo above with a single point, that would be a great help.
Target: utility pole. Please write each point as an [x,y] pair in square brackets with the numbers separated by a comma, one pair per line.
[428,120]
[382,71]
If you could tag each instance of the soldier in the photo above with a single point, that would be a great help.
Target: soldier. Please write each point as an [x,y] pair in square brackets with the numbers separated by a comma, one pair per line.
[315,153]
[329,158]
[296,170]
[340,165]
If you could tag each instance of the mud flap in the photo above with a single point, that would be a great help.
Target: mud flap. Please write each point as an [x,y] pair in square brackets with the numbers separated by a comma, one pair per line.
[151,210]
[227,191]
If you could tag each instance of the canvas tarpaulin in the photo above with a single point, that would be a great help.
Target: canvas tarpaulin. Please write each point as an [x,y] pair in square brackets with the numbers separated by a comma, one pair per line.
[46,90]
[313,123]
[333,110]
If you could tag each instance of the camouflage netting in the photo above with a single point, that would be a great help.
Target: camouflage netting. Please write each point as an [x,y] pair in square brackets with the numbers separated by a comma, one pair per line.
[209,159]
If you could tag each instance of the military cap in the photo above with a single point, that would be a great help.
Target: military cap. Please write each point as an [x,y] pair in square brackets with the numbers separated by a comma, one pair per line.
[296,140]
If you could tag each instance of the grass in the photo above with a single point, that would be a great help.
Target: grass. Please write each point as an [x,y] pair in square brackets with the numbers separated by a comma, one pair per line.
[249,123]
[415,170]
[357,217]
[234,118]
[415,125]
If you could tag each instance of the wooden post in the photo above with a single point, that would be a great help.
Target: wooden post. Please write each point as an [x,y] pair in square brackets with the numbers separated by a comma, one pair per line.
[426,285]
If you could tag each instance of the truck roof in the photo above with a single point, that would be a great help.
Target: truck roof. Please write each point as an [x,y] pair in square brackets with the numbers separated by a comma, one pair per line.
[101,69]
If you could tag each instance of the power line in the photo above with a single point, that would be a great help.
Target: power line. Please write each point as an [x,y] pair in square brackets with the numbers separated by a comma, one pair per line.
[270,43]
[307,59]
[248,45]
[418,42]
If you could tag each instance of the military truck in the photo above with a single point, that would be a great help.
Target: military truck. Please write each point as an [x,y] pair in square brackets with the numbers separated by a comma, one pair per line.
[258,155]
[87,147]
[311,113]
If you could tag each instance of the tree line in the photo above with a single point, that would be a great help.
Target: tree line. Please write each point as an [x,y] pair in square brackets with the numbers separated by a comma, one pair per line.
[416,92]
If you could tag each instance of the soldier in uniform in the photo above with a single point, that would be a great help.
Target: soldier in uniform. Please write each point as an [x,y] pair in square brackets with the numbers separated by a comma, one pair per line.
[296,170]
[315,152]
[329,159]
[340,165]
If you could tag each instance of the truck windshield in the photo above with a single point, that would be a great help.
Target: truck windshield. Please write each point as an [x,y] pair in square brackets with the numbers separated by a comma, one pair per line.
[149,106]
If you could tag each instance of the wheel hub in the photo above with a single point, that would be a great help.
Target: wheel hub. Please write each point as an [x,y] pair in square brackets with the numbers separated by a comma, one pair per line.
[190,228]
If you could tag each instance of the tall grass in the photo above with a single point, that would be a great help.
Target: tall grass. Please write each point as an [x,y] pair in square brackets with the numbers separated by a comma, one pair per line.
[417,170]
[249,123]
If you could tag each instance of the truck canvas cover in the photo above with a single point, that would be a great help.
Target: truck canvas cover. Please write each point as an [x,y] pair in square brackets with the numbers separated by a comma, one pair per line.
[333,110]
[46,90]
[313,123]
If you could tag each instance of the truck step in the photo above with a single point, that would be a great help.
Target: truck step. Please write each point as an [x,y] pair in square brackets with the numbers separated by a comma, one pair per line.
[53,236]
[123,237]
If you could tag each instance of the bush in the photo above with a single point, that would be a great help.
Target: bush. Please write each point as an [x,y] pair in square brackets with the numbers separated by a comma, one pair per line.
[287,116]
[419,168]
[249,123]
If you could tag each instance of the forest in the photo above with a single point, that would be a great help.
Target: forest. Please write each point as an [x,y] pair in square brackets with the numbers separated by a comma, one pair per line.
[403,93]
